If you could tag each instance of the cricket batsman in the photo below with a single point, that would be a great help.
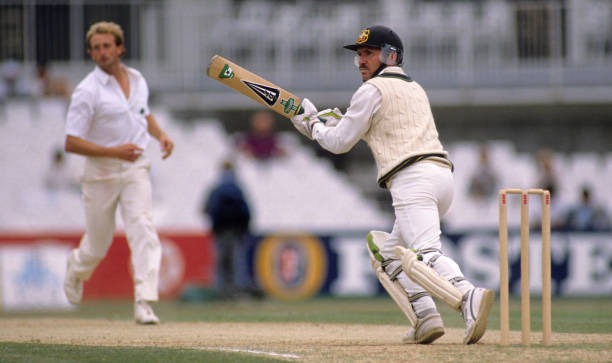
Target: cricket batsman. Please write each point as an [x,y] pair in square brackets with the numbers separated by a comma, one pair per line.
[391,112]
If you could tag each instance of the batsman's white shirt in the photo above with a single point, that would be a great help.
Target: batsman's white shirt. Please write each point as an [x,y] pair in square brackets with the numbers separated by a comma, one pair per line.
[100,113]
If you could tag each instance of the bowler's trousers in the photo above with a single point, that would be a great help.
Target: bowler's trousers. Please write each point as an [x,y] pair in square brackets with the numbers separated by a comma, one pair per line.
[106,184]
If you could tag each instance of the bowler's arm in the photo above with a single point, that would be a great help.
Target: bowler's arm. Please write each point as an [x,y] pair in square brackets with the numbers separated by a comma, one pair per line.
[77,145]
[164,141]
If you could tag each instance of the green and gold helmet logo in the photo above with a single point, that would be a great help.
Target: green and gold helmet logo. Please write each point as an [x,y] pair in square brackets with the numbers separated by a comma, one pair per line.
[363,36]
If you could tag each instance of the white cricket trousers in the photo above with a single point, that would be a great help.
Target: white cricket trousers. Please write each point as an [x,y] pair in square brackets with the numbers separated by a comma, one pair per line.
[422,193]
[106,184]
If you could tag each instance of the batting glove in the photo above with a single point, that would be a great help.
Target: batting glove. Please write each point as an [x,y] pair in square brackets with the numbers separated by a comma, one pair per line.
[309,124]
[306,118]
[330,117]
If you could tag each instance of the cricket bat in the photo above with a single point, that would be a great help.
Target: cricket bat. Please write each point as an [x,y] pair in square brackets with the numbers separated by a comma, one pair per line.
[253,86]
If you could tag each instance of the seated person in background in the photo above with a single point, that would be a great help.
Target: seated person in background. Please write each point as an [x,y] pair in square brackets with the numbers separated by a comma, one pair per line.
[261,141]
[52,86]
[59,175]
[10,76]
[558,211]
[547,176]
[587,216]
[483,183]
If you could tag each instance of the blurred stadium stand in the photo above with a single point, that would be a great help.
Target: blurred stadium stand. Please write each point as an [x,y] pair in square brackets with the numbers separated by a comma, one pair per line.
[517,75]
[294,193]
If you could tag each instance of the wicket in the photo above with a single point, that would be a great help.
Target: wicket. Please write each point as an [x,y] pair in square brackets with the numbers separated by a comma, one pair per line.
[503,266]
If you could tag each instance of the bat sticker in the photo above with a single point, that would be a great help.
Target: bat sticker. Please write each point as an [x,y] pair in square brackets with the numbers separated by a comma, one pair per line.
[226,72]
[268,94]
[289,105]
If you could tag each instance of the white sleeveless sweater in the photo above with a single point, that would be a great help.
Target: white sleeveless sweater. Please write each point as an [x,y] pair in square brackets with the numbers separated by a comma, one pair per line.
[403,128]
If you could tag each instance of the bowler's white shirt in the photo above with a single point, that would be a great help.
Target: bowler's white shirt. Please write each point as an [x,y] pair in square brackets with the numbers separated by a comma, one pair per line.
[100,113]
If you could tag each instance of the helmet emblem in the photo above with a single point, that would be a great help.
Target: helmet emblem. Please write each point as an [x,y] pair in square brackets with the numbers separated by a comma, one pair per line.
[363,36]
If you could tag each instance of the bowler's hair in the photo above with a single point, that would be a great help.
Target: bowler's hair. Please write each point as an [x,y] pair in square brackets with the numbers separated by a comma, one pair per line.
[105,27]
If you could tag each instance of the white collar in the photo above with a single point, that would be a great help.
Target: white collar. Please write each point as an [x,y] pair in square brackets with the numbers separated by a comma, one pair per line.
[105,77]
[392,69]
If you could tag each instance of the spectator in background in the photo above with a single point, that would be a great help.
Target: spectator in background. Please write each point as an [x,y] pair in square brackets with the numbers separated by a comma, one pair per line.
[261,142]
[483,183]
[587,215]
[49,86]
[229,212]
[547,178]
[59,176]
[558,212]
[11,74]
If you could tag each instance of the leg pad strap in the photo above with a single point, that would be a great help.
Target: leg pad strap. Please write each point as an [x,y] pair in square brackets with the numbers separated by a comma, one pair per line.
[428,278]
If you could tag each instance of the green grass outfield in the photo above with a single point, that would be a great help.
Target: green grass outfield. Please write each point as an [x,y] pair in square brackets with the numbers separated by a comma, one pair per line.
[569,315]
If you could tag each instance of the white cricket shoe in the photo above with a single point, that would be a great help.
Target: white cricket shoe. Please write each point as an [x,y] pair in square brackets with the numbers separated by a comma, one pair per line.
[73,286]
[476,308]
[427,330]
[143,313]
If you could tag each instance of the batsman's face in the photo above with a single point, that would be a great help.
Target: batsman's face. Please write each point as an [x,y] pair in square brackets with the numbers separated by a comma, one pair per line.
[103,50]
[368,61]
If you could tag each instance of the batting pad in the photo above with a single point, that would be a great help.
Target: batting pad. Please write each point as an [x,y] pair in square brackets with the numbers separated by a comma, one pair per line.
[428,278]
[393,288]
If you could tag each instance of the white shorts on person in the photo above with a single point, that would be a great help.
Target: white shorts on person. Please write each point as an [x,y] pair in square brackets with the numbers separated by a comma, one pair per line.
[109,183]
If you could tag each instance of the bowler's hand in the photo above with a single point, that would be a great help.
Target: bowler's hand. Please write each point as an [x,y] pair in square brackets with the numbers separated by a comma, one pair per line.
[129,152]
[166,145]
